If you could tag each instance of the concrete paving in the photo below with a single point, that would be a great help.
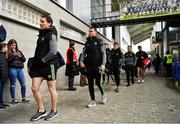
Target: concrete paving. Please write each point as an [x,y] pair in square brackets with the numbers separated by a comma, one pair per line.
[154,101]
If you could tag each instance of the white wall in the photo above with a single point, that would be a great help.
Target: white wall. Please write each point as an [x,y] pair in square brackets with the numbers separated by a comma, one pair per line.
[124,34]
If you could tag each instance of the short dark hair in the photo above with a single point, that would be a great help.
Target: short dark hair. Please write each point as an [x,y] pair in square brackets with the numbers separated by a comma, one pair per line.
[2,45]
[48,19]
[92,27]
[129,46]
[116,43]
[71,43]
[139,47]
[167,52]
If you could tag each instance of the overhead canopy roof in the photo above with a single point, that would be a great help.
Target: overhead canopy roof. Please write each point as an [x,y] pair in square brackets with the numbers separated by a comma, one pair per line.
[140,32]
[139,15]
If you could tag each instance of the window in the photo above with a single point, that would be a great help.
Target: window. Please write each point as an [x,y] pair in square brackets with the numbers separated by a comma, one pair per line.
[69,32]
[20,12]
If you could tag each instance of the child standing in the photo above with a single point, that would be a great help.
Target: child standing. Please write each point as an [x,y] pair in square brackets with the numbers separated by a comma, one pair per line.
[3,72]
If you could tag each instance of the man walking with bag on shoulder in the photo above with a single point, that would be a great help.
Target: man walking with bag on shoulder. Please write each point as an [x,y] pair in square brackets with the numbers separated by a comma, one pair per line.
[44,67]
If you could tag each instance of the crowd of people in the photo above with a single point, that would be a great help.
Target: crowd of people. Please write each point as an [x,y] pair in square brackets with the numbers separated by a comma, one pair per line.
[96,62]
[150,7]
[11,65]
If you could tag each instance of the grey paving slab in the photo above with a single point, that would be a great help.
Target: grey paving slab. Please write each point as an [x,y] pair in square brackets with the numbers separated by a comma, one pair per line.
[151,102]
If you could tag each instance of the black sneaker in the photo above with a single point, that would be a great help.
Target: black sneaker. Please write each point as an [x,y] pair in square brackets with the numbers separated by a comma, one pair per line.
[72,89]
[2,107]
[39,115]
[6,105]
[25,100]
[14,101]
[51,115]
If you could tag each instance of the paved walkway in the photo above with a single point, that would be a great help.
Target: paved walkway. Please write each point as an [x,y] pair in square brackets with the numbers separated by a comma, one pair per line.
[151,102]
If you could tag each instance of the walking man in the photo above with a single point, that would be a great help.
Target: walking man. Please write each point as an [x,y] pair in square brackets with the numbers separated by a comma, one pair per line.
[44,67]
[130,59]
[116,58]
[93,58]
[141,55]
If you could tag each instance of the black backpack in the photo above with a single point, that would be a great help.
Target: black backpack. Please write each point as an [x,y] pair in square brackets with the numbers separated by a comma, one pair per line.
[2,33]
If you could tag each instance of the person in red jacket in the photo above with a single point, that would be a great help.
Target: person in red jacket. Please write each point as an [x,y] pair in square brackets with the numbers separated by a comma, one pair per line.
[71,65]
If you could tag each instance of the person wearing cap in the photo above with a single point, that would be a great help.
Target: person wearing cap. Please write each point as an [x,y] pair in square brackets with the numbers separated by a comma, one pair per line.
[141,55]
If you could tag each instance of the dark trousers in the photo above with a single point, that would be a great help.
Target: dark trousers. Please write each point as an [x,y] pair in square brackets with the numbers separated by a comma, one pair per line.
[157,68]
[71,81]
[1,91]
[130,73]
[136,71]
[104,76]
[168,68]
[93,73]
[116,73]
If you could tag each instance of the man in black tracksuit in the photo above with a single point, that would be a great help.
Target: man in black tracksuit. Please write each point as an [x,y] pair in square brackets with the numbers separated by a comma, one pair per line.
[93,58]
[116,57]
[130,59]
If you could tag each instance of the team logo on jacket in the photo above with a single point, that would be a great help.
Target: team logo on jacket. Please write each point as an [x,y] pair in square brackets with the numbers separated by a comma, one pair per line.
[49,76]
[42,38]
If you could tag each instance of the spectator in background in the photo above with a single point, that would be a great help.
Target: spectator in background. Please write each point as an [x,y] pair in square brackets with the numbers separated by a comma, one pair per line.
[108,62]
[16,61]
[3,72]
[167,62]
[71,65]
[157,63]
[83,73]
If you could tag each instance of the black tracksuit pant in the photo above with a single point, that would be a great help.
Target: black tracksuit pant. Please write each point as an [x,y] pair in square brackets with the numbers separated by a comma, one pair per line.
[93,73]
[116,72]
[130,73]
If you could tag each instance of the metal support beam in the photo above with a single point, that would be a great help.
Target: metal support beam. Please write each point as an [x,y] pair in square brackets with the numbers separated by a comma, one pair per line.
[140,40]
[141,31]
[142,35]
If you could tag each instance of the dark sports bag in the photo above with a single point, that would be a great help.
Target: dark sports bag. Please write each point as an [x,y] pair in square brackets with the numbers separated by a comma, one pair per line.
[59,63]
[2,33]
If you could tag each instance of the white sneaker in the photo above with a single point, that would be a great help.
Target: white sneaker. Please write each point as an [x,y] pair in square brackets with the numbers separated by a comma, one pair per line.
[142,81]
[92,104]
[139,81]
[104,98]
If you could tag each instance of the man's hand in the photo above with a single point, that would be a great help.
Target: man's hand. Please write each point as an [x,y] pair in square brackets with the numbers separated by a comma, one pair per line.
[103,67]
[82,65]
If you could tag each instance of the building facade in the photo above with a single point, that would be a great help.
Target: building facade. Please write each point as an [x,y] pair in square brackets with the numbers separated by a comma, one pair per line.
[21,20]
